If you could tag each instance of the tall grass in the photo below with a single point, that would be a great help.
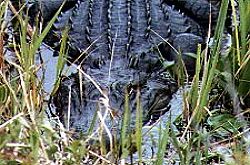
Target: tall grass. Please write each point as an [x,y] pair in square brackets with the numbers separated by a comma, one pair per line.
[243,47]
[26,139]
[231,70]
[22,93]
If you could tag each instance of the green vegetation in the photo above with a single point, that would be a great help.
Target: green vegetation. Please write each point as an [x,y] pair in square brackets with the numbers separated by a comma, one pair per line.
[193,138]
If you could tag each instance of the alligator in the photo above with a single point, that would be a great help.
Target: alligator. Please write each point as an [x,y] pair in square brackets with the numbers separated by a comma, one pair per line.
[125,44]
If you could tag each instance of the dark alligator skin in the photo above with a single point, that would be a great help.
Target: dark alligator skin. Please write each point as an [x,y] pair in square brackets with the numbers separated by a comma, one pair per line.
[125,44]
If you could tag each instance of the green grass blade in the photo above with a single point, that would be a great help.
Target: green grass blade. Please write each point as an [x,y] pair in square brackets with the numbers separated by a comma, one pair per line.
[163,141]
[206,86]
[61,60]
[244,81]
[244,7]
[125,128]
[193,94]
[139,126]
[40,39]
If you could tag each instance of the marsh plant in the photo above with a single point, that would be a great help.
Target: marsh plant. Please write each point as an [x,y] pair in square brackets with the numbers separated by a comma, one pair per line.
[193,138]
